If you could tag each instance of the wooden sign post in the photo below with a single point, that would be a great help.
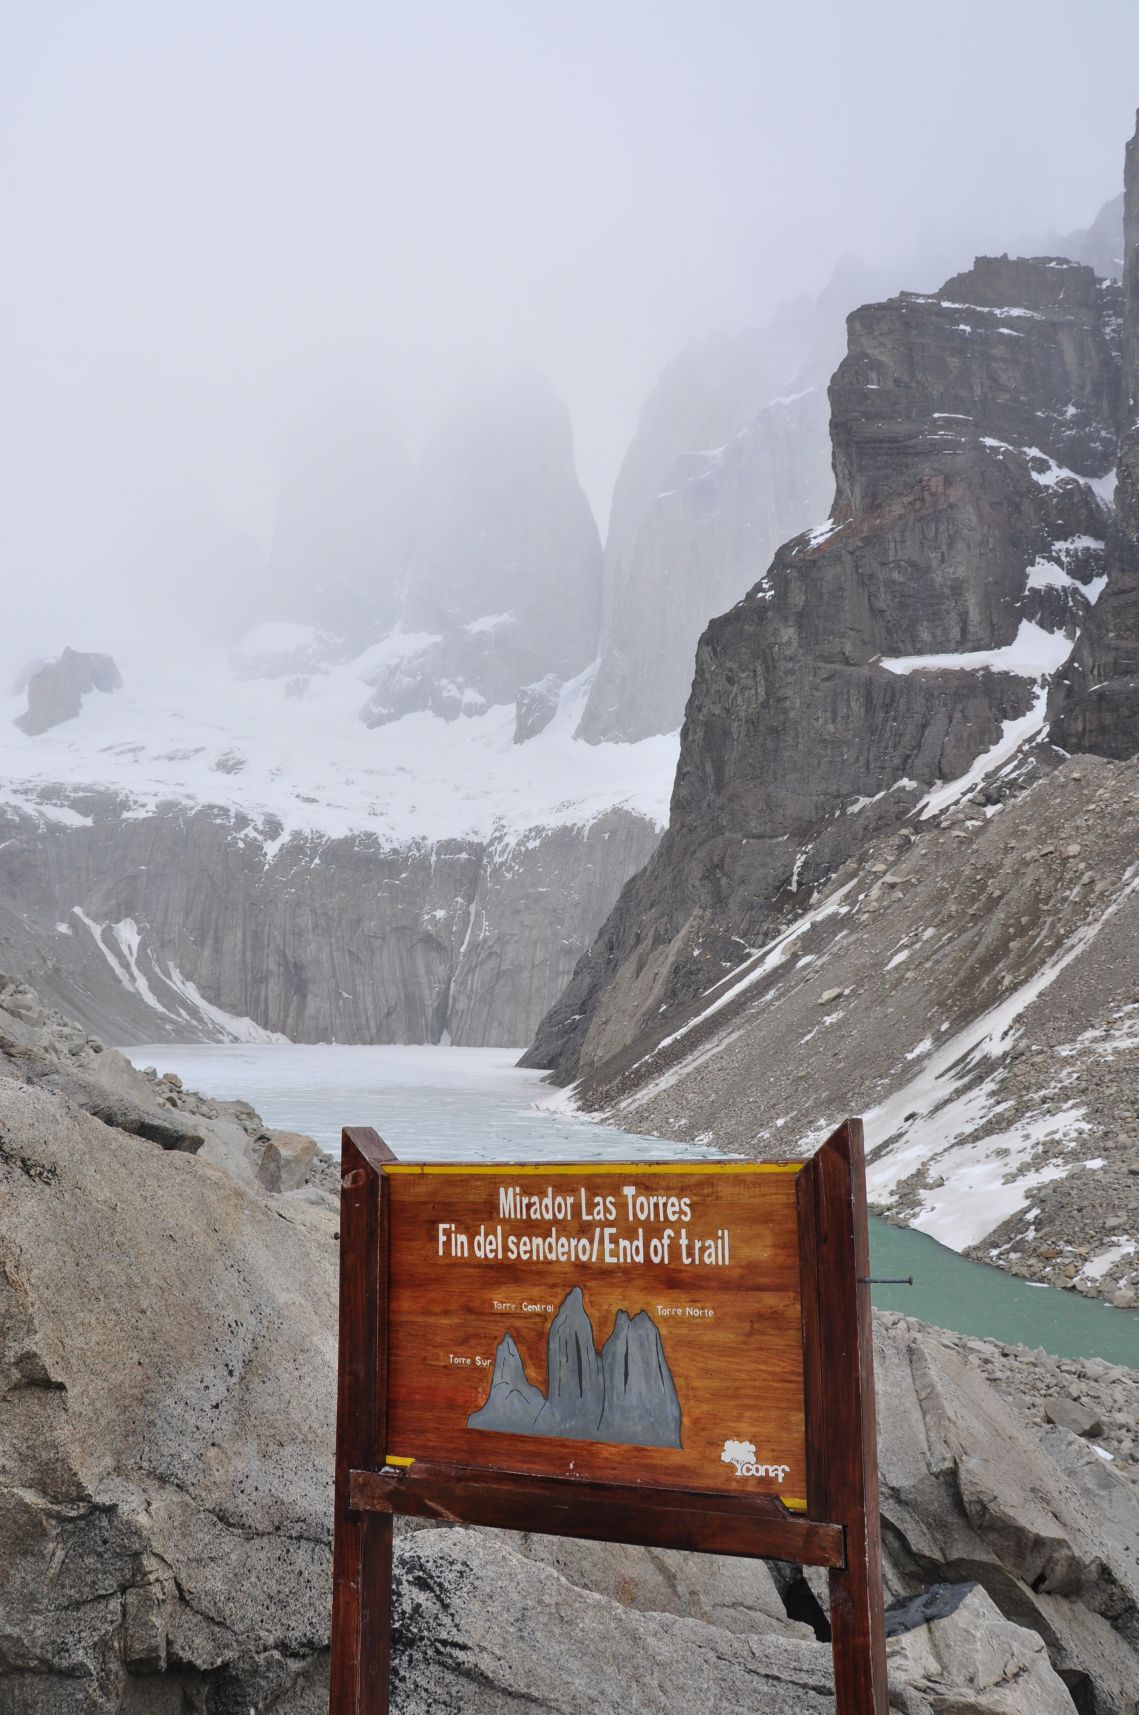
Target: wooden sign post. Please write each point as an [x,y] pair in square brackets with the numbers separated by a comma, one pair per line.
[673,1354]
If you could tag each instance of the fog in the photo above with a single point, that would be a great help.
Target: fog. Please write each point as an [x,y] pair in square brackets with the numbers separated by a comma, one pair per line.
[223,221]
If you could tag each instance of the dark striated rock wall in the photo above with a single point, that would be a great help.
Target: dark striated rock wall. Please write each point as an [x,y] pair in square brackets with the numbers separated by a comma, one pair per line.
[323,940]
[974,433]
[1100,711]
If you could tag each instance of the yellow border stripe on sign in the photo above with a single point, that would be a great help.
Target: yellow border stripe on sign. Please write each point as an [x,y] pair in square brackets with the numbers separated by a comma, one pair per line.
[584,1169]
[792,1503]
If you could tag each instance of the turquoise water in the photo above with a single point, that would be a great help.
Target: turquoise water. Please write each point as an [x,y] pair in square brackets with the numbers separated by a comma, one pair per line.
[972,1298]
[475,1104]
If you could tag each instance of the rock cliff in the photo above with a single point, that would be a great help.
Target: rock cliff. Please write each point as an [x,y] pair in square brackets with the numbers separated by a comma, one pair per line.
[912,641]
[191,923]
[167,1365]
[1099,710]
[507,560]
[730,457]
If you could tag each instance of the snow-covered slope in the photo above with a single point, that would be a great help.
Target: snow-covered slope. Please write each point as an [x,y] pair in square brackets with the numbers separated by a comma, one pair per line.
[289,752]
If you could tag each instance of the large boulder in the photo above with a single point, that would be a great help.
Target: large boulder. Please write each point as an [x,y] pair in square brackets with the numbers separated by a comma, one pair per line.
[168,1355]
[962,1657]
[971,1493]
[56,692]
[482,1629]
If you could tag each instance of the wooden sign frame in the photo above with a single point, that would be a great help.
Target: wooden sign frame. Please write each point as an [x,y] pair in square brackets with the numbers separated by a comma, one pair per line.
[839,1530]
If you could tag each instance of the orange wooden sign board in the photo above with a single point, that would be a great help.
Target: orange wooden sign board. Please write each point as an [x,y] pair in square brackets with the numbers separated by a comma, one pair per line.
[588,1321]
[670,1354]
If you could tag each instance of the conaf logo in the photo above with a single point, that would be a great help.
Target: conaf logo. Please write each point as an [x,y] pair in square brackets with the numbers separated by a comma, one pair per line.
[741,1454]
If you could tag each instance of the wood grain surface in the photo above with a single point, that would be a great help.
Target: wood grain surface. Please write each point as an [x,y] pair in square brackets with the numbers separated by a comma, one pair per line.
[750,1525]
[729,1318]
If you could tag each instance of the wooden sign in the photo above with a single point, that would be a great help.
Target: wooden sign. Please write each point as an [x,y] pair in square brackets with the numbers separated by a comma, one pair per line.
[663,1353]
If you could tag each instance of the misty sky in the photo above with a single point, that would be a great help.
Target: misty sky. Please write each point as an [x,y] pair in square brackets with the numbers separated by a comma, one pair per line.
[220,217]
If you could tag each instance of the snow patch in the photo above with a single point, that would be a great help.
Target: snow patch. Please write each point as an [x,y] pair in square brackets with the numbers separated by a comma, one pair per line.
[232,1026]
[1046,575]
[1032,654]
[1014,733]
[933,1121]
[489,622]
[1097,1266]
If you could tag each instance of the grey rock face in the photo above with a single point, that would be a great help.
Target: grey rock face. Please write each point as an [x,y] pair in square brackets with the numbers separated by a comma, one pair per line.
[998,1509]
[1101,244]
[507,559]
[513,1402]
[575,1387]
[326,940]
[971,1659]
[56,692]
[737,1595]
[287,1161]
[167,1363]
[972,430]
[641,1406]
[709,534]
[1099,710]
[730,458]
[627,1395]
[535,707]
[40,1047]
[486,1630]
[1076,1418]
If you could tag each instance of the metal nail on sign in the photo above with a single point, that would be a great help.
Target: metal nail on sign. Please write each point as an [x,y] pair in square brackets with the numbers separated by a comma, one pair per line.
[660,1353]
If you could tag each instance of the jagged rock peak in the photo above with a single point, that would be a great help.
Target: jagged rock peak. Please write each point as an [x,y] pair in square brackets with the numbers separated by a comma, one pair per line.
[507,561]
[641,1405]
[342,539]
[730,457]
[576,1388]
[56,691]
[626,1395]
[1023,351]
[1131,259]
[1100,245]
[513,1402]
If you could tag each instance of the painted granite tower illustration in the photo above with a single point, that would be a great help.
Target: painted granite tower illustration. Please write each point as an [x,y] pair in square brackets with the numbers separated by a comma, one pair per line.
[624,1394]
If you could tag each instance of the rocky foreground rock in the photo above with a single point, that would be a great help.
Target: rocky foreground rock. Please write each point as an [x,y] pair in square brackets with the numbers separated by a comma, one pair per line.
[167,1357]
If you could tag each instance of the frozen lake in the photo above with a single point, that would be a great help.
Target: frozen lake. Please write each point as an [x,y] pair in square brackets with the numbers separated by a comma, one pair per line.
[428,1104]
[439,1104]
